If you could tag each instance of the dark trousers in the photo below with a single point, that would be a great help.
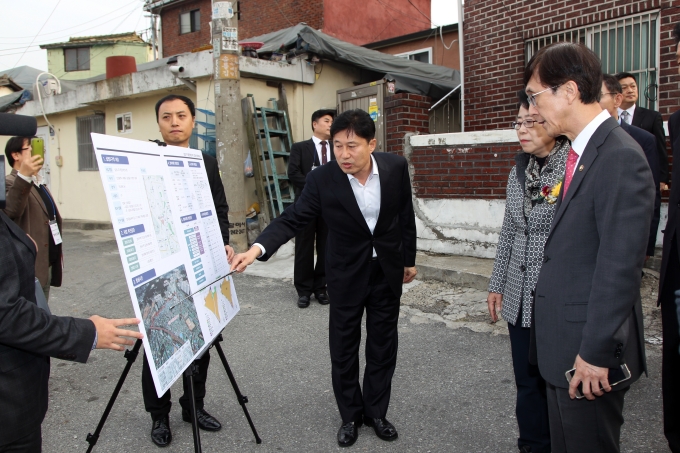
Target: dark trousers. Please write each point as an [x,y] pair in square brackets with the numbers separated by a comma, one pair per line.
[532,406]
[307,277]
[160,407]
[27,444]
[654,228]
[670,360]
[382,314]
[580,426]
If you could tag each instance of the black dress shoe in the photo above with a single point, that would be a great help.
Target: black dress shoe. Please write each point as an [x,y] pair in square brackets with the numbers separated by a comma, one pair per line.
[204,420]
[383,429]
[322,298]
[348,433]
[160,432]
[303,302]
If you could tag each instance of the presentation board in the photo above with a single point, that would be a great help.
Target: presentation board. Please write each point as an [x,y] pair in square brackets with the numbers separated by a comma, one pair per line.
[171,248]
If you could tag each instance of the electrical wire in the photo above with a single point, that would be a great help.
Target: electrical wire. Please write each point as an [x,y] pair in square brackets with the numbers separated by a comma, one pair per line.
[422,13]
[36,35]
[276,2]
[441,34]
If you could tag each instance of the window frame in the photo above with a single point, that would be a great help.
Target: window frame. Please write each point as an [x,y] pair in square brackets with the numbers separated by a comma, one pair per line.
[406,55]
[87,160]
[194,16]
[586,35]
[78,64]
[123,117]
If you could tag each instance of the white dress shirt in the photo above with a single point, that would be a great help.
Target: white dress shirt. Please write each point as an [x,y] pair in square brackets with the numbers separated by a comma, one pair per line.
[317,144]
[582,139]
[630,111]
[368,199]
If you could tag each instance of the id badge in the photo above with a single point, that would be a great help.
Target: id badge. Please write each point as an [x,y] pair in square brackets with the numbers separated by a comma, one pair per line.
[56,235]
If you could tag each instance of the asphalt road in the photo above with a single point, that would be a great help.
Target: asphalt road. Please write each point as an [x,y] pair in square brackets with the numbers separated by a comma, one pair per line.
[453,389]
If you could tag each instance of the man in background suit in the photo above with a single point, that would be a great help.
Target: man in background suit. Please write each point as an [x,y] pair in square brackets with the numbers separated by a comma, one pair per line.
[643,118]
[588,312]
[31,206]
[305,157]
[365,199]
[610,100]
[669,284]
[175,116]
[29,336]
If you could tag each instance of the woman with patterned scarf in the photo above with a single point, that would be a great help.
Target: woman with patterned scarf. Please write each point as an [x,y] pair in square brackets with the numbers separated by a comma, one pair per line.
[532,191]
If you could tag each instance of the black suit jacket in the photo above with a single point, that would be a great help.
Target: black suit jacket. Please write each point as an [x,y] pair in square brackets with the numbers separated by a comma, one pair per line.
[651,121]
[218,195]
[588,291]
[673,203]
[648,144]
[350,244]
[28,337]
[303,156]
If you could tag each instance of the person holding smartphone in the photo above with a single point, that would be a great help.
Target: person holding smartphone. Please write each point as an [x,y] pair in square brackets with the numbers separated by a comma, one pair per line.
[31,206]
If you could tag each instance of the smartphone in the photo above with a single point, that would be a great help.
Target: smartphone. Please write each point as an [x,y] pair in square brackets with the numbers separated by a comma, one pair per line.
[38,145]
[615,376]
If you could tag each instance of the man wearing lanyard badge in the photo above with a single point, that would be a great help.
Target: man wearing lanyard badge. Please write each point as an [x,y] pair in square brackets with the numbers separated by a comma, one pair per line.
[31,206]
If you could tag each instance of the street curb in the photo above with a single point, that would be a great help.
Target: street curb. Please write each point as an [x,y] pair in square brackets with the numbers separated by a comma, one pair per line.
[463,278]
[75,224]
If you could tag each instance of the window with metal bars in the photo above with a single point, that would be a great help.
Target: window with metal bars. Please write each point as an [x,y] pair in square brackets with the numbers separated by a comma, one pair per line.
[85,125]
[628,44]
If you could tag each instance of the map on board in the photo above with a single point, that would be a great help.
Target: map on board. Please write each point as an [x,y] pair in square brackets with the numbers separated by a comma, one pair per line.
[161,215]
[171,248]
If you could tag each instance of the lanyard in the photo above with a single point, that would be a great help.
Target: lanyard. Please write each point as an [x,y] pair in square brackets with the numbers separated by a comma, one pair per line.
[54,210]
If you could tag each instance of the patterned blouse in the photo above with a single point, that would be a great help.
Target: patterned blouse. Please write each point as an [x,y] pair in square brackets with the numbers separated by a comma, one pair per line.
[519,253]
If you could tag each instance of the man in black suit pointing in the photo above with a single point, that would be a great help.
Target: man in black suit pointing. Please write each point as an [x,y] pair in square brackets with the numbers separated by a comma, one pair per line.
[365,199]
[305,157]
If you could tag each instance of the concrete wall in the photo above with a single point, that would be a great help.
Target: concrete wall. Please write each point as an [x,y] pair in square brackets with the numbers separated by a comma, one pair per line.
[469,224]
[98,54]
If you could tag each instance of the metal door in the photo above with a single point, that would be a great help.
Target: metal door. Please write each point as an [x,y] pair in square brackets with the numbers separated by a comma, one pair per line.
[369,97]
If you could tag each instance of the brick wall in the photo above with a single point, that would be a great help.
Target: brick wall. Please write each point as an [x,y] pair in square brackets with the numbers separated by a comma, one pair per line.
[495,33]
[494,49]
[265,16]
[405,112]
[462,173]
[173,42]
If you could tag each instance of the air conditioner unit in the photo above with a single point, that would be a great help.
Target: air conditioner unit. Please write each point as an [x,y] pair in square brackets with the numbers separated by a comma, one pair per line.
[50,87]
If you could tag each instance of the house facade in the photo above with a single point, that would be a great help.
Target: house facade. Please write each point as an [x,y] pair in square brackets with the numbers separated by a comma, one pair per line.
[185,24]
[85,57]
[460,179]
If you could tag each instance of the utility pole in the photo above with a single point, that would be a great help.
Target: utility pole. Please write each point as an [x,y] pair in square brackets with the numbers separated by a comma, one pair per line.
[229,118]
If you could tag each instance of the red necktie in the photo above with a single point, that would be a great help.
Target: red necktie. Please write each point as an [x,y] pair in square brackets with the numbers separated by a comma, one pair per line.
[324,159]
[569,172]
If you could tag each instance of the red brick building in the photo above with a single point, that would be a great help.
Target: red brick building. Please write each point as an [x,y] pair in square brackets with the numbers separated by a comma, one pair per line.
[501,37]
[185,24]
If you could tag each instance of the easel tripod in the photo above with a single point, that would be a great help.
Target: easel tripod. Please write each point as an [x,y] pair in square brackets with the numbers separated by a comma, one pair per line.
[131,356]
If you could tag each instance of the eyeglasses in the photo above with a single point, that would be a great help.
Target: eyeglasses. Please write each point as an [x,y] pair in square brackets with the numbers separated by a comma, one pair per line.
[517,125]
[532,97]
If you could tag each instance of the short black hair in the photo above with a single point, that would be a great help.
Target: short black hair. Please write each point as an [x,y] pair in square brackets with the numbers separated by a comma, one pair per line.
[523,100]
[676,33]
[612,83]
[14,145]
[173,97]
[558,63]
[357,121]
[320,114]
[625,75]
